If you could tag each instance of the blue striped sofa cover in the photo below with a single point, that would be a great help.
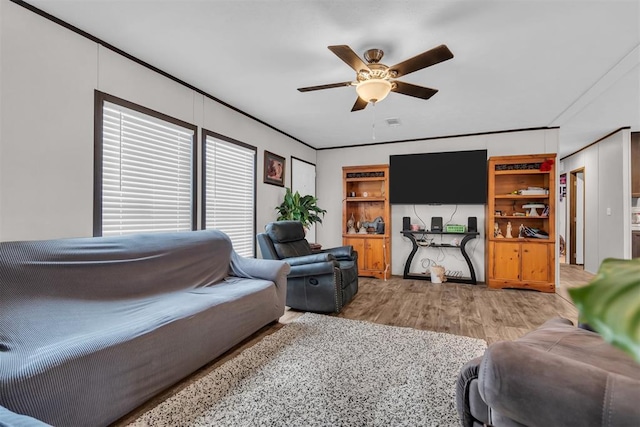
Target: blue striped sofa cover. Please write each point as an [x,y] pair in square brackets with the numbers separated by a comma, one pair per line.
[91,328]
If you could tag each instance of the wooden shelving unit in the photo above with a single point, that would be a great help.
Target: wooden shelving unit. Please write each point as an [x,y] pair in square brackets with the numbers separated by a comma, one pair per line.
[366,197]
[520,262]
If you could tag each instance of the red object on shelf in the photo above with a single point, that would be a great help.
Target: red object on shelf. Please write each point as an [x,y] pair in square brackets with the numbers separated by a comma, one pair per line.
[546,165]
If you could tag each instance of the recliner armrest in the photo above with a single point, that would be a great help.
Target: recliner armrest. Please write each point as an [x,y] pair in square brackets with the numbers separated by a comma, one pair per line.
[342,253]
[535,387]
[309,259]
[314,269]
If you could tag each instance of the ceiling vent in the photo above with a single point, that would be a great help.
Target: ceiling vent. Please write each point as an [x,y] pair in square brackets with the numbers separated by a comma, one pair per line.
[393,122]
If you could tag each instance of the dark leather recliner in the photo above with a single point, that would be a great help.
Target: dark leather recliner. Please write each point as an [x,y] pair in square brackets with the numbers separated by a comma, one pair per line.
[321,282]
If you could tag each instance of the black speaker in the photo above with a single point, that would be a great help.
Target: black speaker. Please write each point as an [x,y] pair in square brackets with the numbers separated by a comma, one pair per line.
[406,223]
[436,223]
[472,224]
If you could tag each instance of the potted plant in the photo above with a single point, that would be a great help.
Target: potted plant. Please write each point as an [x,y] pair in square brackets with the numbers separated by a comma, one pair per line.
[610,303]
[300,208]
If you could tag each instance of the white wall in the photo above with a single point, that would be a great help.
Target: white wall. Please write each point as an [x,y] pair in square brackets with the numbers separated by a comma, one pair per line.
[48,79]
[329,169]
[607,182]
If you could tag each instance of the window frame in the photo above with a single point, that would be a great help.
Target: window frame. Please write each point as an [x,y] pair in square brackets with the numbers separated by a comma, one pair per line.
[99,100]
[203,164]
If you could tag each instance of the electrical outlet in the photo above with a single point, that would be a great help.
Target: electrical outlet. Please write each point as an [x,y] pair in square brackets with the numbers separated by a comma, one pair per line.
[608,211]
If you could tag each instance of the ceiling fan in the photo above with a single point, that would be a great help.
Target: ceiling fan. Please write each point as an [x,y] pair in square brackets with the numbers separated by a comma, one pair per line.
[374,80]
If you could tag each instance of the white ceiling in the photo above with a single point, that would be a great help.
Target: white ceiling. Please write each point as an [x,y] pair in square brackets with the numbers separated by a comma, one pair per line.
[517,65]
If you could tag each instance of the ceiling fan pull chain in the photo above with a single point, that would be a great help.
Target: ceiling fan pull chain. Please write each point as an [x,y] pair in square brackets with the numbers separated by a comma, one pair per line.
[373,126]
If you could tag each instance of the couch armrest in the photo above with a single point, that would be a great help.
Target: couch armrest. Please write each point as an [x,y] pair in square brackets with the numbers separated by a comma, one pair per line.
[342,253]
[535,387]
[11,419]
[255,268]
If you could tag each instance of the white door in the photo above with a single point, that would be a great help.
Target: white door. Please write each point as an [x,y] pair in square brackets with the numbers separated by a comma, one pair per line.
[303,180]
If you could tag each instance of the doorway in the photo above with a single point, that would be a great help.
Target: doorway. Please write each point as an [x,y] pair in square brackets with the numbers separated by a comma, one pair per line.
[575,248]
[303,180]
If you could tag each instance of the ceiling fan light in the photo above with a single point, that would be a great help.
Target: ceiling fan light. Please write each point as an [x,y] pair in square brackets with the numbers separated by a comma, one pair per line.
[374,90]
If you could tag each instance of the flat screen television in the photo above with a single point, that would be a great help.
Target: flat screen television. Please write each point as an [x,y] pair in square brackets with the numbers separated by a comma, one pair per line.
[448,178]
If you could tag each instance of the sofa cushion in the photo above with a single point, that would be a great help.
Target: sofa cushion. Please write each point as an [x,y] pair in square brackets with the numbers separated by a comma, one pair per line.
[559,336]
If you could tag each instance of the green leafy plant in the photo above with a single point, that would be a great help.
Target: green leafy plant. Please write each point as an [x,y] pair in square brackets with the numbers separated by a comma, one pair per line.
[610,303]
[300,208]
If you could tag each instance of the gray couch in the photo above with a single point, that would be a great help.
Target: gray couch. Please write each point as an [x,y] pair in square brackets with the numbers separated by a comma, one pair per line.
[556,375]
[92,328]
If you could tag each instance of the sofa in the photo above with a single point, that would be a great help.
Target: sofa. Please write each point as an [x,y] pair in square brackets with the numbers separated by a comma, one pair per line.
[556,375]
[321,282]
[91,328]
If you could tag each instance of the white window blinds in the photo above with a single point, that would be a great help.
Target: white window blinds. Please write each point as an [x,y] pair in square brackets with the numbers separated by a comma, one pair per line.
[146,173]
[230,192]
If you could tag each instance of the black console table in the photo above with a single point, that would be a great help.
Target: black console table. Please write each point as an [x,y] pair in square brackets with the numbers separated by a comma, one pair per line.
[412,236]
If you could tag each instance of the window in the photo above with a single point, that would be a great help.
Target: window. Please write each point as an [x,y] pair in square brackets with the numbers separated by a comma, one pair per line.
[229,170]
[144,174]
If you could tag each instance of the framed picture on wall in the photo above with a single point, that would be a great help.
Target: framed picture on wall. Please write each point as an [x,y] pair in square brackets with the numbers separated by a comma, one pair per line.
[274,169]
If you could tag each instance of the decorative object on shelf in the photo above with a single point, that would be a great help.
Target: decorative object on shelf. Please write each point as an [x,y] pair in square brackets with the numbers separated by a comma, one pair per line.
[375,227]
[274,167]
[509,235]
[365,194]
[300,208]
[533,191]
[521,231]
[496,231]
[534,233]
[533,208]
[546,165]
[377,174]
[351,229]
[545,211]
[362,228]
[517,166]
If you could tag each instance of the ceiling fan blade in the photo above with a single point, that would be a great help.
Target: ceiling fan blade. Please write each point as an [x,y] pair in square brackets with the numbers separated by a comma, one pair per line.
[329,86]
[360,104]
[414,90]
[347,54]
[424,60]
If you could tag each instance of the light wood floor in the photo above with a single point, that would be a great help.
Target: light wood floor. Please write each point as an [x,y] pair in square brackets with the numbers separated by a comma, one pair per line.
[474,311]
[572,276]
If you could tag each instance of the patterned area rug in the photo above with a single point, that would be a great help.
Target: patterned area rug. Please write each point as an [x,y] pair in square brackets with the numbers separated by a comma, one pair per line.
[327,371]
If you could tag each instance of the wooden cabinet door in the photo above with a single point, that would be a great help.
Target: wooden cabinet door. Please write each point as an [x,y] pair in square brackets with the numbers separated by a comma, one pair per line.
[506,261]
[358,246]
[535,262]
[374,255]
